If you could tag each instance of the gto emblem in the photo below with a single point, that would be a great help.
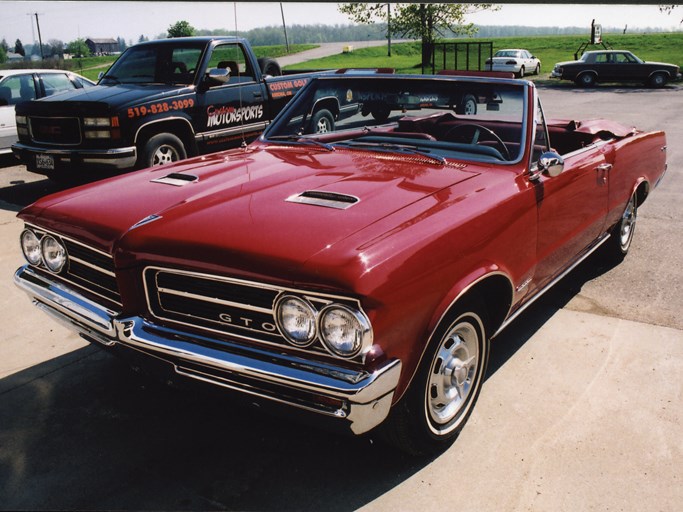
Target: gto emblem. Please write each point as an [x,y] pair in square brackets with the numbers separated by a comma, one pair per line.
[246,322]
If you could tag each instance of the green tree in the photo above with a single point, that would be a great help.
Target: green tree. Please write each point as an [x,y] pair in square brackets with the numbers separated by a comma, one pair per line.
[3,55]
[425,21]
[55,47]
[78,48]
[19,48]
[181,29]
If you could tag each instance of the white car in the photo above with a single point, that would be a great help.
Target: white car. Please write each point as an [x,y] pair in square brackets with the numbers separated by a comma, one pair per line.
[28,84]
[519,62]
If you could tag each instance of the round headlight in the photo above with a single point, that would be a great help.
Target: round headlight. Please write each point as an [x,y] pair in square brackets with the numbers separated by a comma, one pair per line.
[344,330]
[296,320]
[30,246]
[54,253]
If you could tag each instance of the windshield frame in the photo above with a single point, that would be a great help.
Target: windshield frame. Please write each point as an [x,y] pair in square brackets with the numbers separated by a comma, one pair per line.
[276,133]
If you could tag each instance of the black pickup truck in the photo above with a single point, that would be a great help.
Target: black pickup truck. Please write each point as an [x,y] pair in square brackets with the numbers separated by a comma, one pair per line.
[161,101]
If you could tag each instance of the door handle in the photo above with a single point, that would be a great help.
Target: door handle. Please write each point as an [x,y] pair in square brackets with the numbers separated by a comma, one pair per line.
[604,167]
[258,94]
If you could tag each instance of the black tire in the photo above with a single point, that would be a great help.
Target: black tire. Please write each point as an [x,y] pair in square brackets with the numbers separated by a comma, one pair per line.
[381,114]
[586,80]
[446,386]
[621,236]
[658,80]
[269,67]
[161,149]
[467,105]
[537,71]
[322,121]
[521,72]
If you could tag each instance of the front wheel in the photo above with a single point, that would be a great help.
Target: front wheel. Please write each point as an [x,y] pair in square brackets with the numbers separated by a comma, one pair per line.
[658,80]
[162,149]
[586,80]
[446,386]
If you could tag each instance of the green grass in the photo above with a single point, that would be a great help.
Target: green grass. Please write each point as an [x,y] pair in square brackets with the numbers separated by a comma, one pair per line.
[405,58]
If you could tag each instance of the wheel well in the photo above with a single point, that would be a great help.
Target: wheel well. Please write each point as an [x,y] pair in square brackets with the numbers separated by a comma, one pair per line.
[642,192]
[495,294]
[330,104]
[177,127]
[587,72]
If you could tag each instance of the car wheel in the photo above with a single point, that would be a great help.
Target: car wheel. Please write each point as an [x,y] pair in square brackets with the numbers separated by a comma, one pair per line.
[468,105]
[621,235]
[446,386]
[162,149]
[658,80]
[322,121]
[586,80]
[521,72]
[537,71]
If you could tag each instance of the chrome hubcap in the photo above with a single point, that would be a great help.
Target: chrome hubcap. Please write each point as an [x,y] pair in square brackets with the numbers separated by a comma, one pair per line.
[454,373]
[628,224]
[323,126]
[165,155]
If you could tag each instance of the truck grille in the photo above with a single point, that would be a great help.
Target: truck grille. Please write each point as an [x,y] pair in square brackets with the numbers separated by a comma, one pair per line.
[56,130]
[232,307]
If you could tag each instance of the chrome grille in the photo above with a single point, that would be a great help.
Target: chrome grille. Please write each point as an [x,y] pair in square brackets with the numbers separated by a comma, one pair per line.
[56,130]
[232,307]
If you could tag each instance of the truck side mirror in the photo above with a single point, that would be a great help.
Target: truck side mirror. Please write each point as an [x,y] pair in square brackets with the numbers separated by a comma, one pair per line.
[218,76]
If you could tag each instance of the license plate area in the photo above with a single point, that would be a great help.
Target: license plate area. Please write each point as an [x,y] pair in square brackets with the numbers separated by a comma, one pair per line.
[45,162]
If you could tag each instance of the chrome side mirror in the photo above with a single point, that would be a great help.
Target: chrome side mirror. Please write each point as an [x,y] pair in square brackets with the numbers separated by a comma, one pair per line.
[549,163]
[219,75]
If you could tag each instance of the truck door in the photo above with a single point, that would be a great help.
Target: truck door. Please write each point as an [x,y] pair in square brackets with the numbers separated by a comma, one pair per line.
[230,109]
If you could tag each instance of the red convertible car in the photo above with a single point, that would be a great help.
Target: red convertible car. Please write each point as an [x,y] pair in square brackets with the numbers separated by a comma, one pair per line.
[357,275]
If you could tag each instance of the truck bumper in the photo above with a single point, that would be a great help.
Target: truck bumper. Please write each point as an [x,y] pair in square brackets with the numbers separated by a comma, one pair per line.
[355,400]
[52,160]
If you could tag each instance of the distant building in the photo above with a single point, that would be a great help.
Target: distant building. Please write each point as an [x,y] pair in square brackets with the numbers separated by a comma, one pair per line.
[14,57]
[102,46]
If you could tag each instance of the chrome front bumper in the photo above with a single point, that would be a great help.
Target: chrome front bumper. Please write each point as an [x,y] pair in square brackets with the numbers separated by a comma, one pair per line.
[114,158]
[359,399]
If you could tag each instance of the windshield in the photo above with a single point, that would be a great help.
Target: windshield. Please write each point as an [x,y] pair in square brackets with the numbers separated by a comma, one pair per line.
[441,117]
[158,63]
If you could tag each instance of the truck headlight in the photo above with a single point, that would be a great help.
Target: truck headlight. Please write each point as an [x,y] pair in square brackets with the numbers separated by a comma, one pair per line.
[296,319]
[54,253]
[91,122]
[344,331]
[30,246]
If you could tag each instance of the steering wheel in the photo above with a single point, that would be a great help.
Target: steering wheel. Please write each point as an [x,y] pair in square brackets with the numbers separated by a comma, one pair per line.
[477,130]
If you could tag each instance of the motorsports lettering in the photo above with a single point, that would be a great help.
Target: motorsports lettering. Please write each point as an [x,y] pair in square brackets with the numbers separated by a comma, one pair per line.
[223,116]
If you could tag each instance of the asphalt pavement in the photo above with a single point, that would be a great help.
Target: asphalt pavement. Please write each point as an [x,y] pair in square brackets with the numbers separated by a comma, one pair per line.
[581,410]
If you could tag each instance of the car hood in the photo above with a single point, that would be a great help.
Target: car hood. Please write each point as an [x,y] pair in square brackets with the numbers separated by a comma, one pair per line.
[242,207]
[101,98]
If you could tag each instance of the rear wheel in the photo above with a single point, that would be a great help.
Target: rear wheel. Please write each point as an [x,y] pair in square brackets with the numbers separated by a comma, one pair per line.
[322,121]
[162,149]
[621,236]
[521,72]
[446,386]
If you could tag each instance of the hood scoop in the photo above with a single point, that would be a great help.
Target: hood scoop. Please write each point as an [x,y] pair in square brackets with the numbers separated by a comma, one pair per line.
[324,199]
[176,179]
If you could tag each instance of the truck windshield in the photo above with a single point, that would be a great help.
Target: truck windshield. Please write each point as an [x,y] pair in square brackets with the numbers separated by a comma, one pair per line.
[159,63]
[447,117]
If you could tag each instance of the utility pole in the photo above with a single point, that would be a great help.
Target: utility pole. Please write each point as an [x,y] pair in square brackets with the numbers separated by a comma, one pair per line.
[388,30]
[40,39]
[284,26]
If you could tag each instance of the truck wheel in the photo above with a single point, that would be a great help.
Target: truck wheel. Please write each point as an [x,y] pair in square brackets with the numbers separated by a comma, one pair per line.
[269,67]
[446,386]
[162,149]
[322,122]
